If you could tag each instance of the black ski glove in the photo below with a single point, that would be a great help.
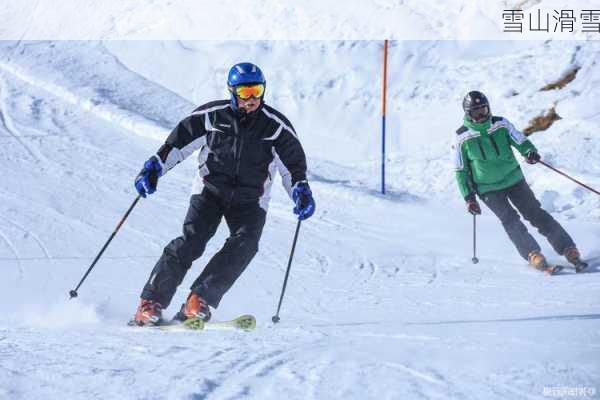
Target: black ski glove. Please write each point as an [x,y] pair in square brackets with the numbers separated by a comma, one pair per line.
[532,157]
[473,204]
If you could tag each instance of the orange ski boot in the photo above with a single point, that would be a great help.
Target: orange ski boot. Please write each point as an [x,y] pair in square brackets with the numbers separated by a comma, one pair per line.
[148,313]
[538,261]
[194,307]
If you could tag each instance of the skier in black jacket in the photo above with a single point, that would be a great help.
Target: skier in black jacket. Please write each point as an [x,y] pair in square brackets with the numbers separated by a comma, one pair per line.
[242,143]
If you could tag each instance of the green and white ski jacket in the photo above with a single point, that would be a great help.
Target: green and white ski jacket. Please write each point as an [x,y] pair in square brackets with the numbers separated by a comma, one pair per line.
[483,156]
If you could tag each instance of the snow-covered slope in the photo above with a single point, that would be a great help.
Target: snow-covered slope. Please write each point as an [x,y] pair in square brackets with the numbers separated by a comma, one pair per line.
[383,300]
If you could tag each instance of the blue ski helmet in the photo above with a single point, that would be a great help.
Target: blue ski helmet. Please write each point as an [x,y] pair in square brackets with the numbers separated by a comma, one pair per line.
[243,74]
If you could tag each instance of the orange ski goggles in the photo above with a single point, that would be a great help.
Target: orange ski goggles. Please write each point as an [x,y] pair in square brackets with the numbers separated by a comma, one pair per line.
[244,92]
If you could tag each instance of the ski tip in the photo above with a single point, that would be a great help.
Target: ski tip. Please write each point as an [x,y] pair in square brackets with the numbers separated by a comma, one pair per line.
[246,322]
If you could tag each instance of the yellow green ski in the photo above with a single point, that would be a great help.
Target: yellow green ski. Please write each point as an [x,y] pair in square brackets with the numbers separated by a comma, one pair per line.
[244,322]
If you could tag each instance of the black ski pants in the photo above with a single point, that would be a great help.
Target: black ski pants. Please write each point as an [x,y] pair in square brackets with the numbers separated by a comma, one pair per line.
[245,222]
[523,199]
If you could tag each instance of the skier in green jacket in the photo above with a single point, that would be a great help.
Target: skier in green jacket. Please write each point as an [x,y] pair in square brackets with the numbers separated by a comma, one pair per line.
[486,166]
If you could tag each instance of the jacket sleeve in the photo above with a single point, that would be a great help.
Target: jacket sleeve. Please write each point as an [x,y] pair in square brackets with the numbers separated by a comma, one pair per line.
[188,136]
[462,170]
[517,139]
[290,152]
[286,176]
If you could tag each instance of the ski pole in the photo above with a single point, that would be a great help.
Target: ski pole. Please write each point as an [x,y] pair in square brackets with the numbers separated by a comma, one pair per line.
[275,318]
[568,177]
[73,293]
[475,259]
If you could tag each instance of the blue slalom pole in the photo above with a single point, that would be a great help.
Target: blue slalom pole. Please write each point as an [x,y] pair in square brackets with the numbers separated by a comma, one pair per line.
[383,111]
[383,154]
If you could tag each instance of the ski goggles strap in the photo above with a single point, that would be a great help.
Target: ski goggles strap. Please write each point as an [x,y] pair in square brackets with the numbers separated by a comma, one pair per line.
[244,92]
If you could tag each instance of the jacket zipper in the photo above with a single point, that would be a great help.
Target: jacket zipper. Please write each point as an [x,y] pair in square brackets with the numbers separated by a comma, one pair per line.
[238,153]
[239,158]
[481,149]
[495,145]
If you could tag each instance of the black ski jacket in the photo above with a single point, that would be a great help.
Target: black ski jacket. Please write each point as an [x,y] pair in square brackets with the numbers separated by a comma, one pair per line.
[239,153]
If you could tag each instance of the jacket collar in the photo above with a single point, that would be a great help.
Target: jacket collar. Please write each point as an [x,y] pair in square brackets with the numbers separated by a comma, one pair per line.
[242,116]
[479,127]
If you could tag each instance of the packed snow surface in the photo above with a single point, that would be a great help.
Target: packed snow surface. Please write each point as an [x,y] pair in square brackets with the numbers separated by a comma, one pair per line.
[383,300]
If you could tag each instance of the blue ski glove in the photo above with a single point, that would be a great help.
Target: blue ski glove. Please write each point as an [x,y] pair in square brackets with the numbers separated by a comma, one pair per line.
[147,179]
[305,204]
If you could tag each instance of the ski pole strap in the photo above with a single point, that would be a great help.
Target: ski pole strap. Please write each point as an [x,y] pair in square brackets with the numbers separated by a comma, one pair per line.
[569,177]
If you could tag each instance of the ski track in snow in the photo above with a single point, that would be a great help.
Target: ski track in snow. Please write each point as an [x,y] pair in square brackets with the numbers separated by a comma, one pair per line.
[13,250]
[380,304]
[27,233]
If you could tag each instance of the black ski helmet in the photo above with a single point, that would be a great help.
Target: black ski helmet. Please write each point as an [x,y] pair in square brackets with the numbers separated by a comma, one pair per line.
[476,106]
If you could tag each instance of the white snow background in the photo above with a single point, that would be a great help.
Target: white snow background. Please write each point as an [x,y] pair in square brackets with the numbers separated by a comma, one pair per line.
[383,300]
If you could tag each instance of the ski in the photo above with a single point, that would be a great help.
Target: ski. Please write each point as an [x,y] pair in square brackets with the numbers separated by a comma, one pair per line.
[244,322]
[551,269]
[580,266]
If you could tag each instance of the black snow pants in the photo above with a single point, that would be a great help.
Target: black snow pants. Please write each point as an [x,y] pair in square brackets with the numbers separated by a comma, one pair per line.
[245,222]
[521,197]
